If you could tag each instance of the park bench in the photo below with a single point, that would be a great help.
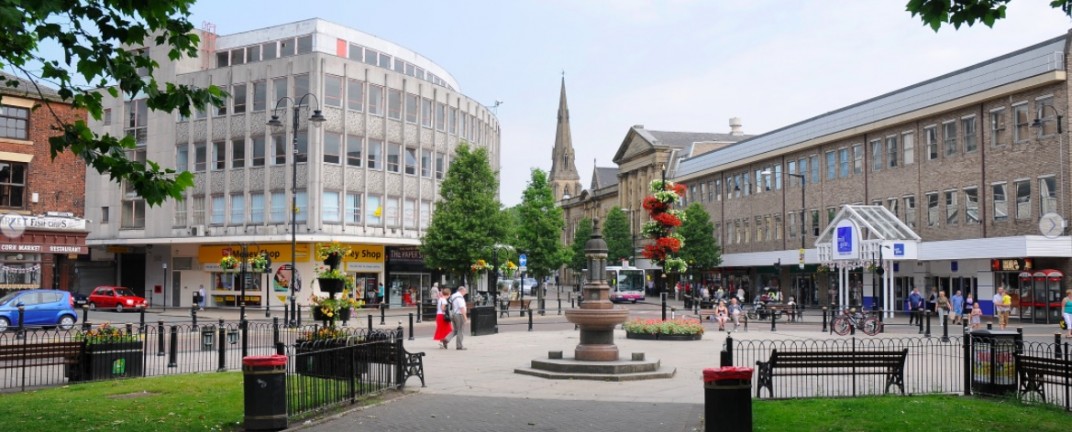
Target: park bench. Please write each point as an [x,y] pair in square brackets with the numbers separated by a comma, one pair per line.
[40,354]
[710,315]
[506,306]
[1035,372]
[379,348]
[828,363]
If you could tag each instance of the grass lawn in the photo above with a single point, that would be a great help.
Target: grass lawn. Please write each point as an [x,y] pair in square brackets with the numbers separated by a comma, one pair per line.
[914,413]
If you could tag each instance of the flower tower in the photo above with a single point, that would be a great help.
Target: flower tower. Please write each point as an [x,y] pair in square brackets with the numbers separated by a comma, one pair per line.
[665,242]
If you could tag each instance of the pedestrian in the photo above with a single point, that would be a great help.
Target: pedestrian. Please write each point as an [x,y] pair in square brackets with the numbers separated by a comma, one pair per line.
[1002,307]
[740,295]
[976,316]
[915,305]
[1066,309]
[442,324]
[943,306]
[735,312]
[958,307]
[201,298]
[722,313]
[456,303]
[379,294]
[932,300]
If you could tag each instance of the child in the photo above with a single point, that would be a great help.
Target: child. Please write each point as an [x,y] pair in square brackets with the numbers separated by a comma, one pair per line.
[976,317]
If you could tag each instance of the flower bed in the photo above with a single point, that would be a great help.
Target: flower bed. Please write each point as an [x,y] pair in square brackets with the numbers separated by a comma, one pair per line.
[654,329]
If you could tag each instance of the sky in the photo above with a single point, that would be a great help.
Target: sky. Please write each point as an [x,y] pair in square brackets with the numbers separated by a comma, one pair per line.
[673,65]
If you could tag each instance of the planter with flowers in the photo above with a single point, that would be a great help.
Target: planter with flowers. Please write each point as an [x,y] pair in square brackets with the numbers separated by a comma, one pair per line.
[480,266]
[681,329]
[666,243]
[107,352]
[258,263]
[229,263]
[332,280]
[335,309]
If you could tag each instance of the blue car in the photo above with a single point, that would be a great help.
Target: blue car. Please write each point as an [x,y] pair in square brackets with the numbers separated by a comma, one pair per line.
[42,308]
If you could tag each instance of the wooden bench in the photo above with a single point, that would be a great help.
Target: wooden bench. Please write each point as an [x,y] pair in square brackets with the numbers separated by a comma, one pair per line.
[381,349]
[827,363]
[1035,372]
[506,306]
[40,354]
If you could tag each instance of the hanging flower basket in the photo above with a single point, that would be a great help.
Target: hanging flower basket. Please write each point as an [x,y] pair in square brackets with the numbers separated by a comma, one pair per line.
[229,263]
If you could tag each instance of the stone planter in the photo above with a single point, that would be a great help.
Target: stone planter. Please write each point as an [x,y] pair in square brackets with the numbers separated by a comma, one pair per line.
[108,360]
[663,337]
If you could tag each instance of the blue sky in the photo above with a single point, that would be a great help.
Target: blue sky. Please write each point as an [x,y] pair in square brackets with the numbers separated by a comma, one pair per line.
[669,65]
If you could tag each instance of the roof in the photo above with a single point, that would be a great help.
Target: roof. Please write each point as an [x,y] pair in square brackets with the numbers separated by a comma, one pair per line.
[27,88]
[880,222]
[682,140]
[604,176]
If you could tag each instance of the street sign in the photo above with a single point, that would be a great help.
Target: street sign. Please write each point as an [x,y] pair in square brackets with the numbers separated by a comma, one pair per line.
[522,263]
[801,258]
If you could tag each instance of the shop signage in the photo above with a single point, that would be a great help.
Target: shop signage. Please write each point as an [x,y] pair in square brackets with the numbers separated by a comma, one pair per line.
[405,254]
[278,252]
[365,254]
[846,241]
[40,248]
[21,222]
[1012,264]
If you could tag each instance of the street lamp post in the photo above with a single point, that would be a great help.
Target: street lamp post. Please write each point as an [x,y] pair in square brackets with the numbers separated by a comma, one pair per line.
[662,168]
[316,119]
[165,286]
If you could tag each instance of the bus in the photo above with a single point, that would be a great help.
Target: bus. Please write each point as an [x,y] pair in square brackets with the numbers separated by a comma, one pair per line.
[626,284]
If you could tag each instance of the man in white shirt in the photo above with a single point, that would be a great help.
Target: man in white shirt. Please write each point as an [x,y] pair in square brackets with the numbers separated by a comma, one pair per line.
[456,303]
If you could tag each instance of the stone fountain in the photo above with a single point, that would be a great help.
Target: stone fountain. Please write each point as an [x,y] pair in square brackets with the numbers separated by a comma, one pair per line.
[596,356]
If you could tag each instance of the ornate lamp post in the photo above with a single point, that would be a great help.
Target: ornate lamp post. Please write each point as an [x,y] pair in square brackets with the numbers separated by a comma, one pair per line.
[316,119]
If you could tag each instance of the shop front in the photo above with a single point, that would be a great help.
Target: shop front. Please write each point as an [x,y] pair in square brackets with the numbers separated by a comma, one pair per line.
[407,277]
[365,264]
[1007,273]
[271,287]
[40,251]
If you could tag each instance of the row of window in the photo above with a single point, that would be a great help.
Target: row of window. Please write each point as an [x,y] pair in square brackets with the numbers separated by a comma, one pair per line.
[351,150]
[335,208]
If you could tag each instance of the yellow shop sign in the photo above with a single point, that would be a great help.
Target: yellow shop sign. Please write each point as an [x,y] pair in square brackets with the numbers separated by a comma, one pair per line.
[278,252]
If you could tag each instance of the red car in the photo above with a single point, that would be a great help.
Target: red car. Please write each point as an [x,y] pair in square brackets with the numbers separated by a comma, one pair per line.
[114,297]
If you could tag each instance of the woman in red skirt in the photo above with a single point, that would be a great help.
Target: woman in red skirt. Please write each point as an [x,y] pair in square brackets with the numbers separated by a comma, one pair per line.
[442,326]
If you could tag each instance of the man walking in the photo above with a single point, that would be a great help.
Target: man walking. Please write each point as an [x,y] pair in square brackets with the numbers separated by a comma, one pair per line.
[915,303]
[456,303]
[1002,307]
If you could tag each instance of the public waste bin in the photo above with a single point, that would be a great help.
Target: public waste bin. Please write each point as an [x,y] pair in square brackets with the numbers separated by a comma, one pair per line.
[483,321]
[265,389]
[728,399]
[994,361]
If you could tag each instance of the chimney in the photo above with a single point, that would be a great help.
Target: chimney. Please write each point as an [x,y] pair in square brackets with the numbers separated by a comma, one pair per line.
[735,126]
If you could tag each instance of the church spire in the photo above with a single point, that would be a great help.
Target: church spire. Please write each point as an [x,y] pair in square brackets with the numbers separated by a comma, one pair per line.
[564,178]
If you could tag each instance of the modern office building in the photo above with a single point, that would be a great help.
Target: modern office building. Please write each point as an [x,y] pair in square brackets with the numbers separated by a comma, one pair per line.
[973,161]
[368,175]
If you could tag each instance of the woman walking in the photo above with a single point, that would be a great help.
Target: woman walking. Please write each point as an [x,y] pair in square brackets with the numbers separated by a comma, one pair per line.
[442,325]
[1066,308]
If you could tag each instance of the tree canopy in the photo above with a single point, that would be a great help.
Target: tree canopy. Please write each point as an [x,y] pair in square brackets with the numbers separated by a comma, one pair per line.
[467,219]
[94,37]
[935,13]
[619,239]
[578,261]
[700,250]
[540,228]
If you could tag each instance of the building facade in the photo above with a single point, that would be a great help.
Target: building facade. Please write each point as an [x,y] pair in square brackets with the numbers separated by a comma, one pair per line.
[367,176]
[43,241]
[971,161]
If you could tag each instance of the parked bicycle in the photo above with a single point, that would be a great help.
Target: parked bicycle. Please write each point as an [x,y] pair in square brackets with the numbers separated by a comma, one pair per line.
[851,318]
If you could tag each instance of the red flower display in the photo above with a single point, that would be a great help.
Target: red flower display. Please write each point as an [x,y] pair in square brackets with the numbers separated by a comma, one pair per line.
[663,246]
[669,243]
[654,253]
[666,219]
[679,189]
[651,204]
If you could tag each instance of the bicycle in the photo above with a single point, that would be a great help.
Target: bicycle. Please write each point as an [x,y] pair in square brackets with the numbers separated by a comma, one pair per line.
[851,318]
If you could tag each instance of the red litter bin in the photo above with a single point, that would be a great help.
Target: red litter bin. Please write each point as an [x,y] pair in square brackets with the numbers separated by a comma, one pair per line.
[265,388]
[728,399]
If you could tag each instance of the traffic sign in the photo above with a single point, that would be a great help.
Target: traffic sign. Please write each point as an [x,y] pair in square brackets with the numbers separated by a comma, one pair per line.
[522,262]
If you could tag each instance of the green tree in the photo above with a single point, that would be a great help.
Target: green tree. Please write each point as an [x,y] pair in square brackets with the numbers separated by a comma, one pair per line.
[467,220]
[93,34]
[956,12]
[619,239]
[540,230]
[700,250]
[578,261]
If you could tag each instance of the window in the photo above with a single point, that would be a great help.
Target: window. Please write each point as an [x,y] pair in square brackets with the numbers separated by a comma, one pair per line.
[301,87]
[14,121]
[762,183]
[876,155]
[452,121]
[180,214]
[219,155]
[441,116]
[136,125]
[354,146]
[426,163]
[951,207]
[375,211]
[411,160]
[891,151]
[253,54]
[910,211]
[718,189]
[375,100]
[329,207]
[353,208]
[412,101]
[256,207]
[394,104]
[286,48]
[355,95]
[333,91]
[269,50]
[932,209]
[182,158]
[426,214]
[409,214]
[857,159]
[843,163]
[778,177]
[831,212]
[260,95]
[222,109]
[1023,199]
[908,140]
[968,124]
[12,184]
[238,56]
[279,150]
[219,205]
[393,155]
[831,166]
[1019,115]
[1001,204]
[426,112]
[375,154]
[302,206]
[258,151]
[238,154]
[279,207]
[238,98]
[440,165]
[949,138]
[106,118]
[814,168]
[1047,195]
[1046,116]
[803,169]
[371,57]
[971,204]
[791,169]
[238,209]
[133,214]
[332,147]
[356,52]
[279,87]
[931,133]
[199,157]
[198,206]
[791,221]
[892,205]
[997,127]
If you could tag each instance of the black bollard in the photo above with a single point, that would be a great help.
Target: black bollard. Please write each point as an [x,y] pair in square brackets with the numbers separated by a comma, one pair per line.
[275,331]
[193,315]
[729,349]
[945,328]
[141,319]
[560,305]
[370,323]
[383,315]
[160,338]
[85,313]
[530,321]
[662,296]
[967,364]
[881,324]
[297,311]
[1057,346]
[773,315]
[173,356]
[919,320]
[927,314]
[22,319]
[280,348]
[411,326]
[286,313]
[244,325]
[824,319]
[221,358]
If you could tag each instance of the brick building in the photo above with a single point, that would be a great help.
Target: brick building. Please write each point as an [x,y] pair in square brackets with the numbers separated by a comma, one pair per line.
[970,160]
[41,199]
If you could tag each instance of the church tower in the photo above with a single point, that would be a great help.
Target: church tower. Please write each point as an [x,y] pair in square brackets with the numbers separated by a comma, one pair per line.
[564,178]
